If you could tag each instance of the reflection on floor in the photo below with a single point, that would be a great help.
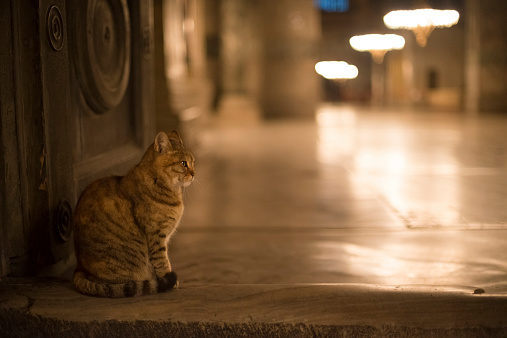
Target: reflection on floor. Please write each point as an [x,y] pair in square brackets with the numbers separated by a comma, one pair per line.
[354,196]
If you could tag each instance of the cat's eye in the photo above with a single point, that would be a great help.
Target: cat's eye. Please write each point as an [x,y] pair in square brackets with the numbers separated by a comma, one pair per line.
[184,163]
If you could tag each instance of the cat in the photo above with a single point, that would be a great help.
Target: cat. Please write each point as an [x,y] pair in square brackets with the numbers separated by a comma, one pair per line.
[122,224]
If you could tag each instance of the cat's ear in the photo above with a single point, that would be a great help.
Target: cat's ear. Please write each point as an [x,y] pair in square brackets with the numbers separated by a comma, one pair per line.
[162,144]
[175,139]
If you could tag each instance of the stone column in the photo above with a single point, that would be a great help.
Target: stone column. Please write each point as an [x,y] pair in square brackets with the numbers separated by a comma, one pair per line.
[235,38]
[289,32]
[472,53]
[378,84]
[486,56]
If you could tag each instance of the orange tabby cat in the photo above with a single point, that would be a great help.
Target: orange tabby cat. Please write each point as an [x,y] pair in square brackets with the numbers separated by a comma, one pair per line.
[122,225]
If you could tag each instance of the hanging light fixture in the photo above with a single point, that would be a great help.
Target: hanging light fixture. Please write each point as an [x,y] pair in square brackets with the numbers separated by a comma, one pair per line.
[377,44]
[421,21]
[336,70]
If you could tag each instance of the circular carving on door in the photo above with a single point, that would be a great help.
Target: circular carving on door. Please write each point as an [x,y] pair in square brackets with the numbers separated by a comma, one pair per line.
[55,28]
[102,51]
[63,221]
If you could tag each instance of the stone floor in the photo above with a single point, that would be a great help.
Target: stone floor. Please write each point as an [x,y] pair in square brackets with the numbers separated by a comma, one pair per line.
[359,196]
[359,222]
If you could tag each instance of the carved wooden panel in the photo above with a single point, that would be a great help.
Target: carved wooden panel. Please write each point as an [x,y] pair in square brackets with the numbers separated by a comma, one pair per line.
[111,62]
[102,51]
[77,105]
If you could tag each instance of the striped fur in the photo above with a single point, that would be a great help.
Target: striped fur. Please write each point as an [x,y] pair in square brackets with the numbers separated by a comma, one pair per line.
[123,224]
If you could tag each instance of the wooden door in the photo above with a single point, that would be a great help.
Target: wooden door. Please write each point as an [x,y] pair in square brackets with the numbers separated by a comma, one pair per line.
[82,95]
[111,92]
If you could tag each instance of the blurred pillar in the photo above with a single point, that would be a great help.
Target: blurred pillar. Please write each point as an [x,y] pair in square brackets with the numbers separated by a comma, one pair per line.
[377,84]
[472,48]
[289,32]
[486,61]
[238,56]
[234,34]
[408,70]
[190,91]
[164,119]
[398,77]
[213,26]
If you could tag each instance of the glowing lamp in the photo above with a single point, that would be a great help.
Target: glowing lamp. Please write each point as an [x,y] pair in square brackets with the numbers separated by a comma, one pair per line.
[336,70]
[421,21]
[377,44]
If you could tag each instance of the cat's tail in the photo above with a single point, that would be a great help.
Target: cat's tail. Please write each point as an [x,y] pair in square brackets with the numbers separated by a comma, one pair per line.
[127,289]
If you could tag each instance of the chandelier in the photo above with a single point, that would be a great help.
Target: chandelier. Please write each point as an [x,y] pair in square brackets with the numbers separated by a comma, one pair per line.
[421,21]
[336,70]
[377,44]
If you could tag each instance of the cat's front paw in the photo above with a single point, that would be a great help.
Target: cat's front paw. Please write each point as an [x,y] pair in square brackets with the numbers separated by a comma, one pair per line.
[169,281]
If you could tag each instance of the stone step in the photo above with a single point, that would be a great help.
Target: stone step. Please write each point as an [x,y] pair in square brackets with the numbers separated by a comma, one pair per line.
[51,307]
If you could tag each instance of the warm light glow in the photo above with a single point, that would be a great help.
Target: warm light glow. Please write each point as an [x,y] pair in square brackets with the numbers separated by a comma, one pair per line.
[421,21]
[377,44]
[421,17]
[337,127]
[368,42]
[336,70]
[382,157]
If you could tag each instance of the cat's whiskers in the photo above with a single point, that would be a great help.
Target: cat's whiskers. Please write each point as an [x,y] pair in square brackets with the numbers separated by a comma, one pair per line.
[196,185]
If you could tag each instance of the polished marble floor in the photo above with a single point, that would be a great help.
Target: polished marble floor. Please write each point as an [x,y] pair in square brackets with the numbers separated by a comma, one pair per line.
[355,195]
